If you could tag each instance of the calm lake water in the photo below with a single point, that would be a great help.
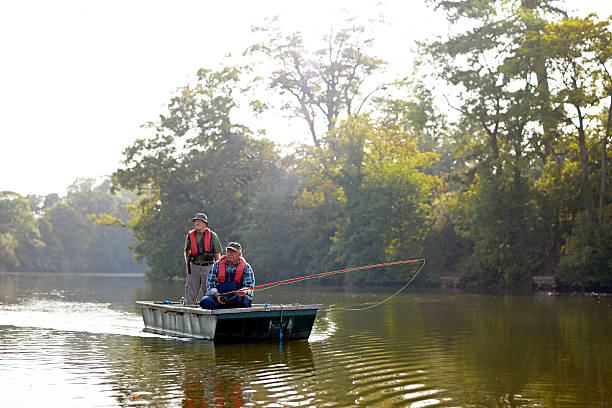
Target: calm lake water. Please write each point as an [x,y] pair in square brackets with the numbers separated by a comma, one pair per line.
[77,341]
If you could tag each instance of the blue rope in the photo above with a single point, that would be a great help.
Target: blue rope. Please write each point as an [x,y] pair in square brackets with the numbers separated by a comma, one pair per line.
[281,324]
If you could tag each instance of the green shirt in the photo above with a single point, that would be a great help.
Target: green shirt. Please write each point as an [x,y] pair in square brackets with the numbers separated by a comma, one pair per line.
[216,244]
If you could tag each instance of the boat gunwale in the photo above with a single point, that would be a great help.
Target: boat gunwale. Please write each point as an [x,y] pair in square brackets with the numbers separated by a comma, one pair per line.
[179,308]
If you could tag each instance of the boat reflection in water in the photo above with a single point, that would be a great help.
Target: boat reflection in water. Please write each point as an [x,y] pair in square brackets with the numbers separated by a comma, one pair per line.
[248,373]
[204,373]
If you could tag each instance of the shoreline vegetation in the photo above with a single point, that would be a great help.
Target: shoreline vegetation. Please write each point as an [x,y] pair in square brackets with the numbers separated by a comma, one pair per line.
[489,158]
[87,274]
[536,290]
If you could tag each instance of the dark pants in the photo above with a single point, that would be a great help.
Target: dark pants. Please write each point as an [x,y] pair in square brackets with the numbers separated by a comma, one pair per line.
[233,300]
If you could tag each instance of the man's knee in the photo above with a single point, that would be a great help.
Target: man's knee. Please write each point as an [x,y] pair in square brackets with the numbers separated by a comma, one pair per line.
[209,302]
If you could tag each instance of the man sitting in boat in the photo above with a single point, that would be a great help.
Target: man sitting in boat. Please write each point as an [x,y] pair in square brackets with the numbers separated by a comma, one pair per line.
[226,277]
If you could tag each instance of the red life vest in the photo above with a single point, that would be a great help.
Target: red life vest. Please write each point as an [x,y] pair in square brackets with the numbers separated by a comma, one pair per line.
[194,242]
[239,270]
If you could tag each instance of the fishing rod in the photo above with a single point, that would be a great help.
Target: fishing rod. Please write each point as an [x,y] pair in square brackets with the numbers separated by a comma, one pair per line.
[319,275]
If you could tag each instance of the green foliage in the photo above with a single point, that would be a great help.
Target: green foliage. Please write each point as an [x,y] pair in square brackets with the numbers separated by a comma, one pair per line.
[362,198]
[20,241]
[198,160]
[287,230]
[578,51]
[557,195]
[586,263]
[62,238]
[8,245]
[75,243]
[388,195]
[498,216]
[490,195]
[444,248]
[529,85]
[69,238]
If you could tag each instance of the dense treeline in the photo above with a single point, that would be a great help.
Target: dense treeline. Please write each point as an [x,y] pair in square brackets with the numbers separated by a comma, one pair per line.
[508,183]
[535,94]
[502,178]
[57,234]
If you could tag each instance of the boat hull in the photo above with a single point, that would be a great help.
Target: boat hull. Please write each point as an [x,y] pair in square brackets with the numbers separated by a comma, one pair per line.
[260,322]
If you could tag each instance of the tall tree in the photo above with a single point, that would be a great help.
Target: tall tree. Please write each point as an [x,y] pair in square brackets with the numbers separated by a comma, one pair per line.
[579,55]
[499,68]
[331,82]
[502,87]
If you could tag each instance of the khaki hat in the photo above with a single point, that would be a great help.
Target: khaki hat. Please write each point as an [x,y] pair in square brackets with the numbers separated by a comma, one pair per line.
[200,216]
[234,246]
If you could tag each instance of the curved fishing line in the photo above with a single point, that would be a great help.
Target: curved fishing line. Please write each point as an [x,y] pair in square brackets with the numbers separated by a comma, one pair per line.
[319,275]
[390,297]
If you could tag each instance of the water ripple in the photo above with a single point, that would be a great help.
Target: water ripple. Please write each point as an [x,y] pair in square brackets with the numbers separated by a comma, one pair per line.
[71,316]
[73,354]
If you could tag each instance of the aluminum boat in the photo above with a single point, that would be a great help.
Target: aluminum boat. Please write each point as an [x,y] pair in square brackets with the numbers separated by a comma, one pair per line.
[259,322]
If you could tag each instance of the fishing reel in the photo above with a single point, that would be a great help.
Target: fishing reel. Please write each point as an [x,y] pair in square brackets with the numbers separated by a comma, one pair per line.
[227,297]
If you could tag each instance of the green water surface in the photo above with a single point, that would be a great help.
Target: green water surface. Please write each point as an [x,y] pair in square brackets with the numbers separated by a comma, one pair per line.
[76,341]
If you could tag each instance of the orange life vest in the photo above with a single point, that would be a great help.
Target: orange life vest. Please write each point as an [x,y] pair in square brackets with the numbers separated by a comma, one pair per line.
[194,242]
[239,270]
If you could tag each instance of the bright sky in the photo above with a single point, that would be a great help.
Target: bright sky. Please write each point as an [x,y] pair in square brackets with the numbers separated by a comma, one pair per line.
[79,77]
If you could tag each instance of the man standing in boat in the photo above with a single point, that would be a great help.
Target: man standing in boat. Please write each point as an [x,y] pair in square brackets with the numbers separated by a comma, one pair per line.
[227,276]
[202,249]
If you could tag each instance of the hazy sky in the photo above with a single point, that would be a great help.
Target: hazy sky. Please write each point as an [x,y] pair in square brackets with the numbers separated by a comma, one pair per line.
[78,78]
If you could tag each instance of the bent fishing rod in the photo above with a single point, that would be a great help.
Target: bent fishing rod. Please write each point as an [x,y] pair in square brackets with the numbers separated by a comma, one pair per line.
[319,275]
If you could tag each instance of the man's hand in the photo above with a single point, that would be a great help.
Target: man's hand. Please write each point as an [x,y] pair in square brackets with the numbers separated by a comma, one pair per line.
[218,298]
[240,293]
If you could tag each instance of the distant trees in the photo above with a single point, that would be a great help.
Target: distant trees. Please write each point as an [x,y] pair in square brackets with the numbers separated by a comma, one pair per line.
[19,234]
[56,234]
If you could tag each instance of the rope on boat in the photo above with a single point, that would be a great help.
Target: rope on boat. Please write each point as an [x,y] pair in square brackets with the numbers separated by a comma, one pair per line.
[281,324]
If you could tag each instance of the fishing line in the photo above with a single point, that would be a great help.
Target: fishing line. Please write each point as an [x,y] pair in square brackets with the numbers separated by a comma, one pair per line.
[319,275]
[392,296]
